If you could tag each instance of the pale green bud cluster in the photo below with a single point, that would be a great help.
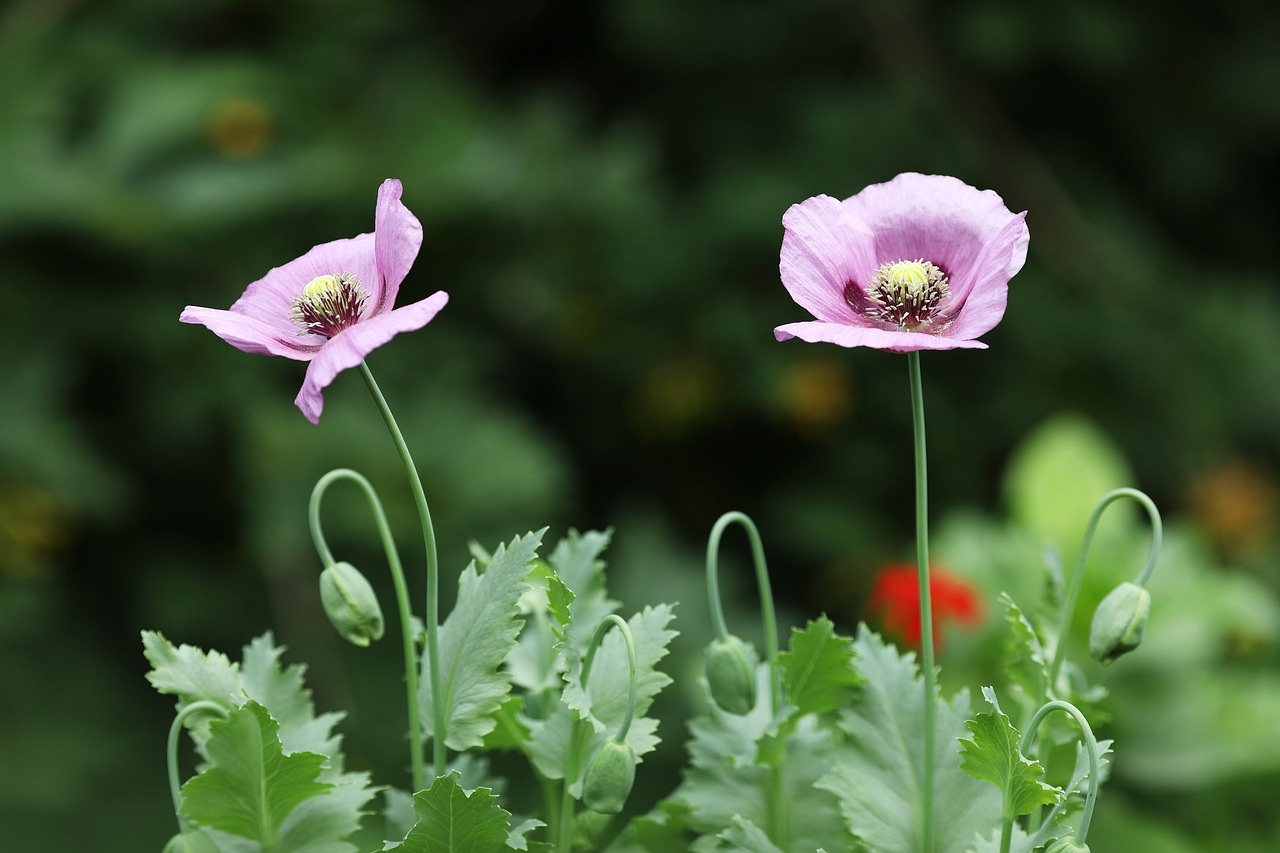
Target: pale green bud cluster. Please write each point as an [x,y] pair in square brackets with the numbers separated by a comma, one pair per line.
[351,604]
[731,674]
[1119,622]
[610,775]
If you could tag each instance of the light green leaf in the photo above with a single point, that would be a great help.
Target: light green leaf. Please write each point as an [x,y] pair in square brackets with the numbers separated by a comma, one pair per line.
[877,778]
[1025,660]
[818,670]
[251,786]
[287,699]
[475,640]
[992,755]
[746,837]
[452,821]
[190,673]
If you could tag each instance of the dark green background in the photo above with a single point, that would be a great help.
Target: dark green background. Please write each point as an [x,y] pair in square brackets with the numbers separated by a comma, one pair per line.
[601,186]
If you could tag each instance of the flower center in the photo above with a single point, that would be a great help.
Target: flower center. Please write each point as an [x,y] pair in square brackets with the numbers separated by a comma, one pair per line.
[904,293]
[329,304]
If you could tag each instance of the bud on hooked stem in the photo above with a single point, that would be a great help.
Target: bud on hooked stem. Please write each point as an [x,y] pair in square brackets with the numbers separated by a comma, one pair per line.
[723,665]
[335,577]
[1119,622]
[351,604]
[1077,578]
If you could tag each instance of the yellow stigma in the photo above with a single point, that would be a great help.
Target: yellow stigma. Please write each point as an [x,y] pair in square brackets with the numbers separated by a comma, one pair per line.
[319,286]
[909,274]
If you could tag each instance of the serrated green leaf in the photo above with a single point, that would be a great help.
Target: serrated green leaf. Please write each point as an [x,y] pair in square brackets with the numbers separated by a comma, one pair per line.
[190,673]
[474,641]
[577,563]
[1025,660]
[285,696]
[559,601]
[509,732]
[251,786]
[877,779]
[452,821]
[746,837]
[992,755]
[818,671]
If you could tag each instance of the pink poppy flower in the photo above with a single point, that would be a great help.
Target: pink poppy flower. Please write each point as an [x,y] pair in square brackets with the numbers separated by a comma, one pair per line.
[921,262]
[332,306]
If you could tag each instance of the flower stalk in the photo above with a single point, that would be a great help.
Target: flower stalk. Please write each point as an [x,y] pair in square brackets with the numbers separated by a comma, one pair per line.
[438,748]
[1091,748]
[614,756]
[1077,577]
[926,614]
[778,815]
[171,751]
[418,769]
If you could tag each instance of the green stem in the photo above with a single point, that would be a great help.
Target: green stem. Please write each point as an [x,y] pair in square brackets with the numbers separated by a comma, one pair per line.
[1077,577]
[1091,748]
[1006,836]
[768,618]
[573,756]
[402,602]
[926,611]
[614,619]
[175,730]
[439,731]
[778,815]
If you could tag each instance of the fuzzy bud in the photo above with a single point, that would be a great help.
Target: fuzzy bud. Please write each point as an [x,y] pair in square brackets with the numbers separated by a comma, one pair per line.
[350,603]
[610,775]
[1119,622]
[1067,844]
[731,674]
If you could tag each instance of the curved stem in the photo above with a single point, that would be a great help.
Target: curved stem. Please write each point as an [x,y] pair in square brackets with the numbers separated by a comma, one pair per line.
[402,601]
[1090,745]
[778,813]
[926,604]
[768,617]
[596,638]
[1077,577]
[175,729]
[439,722]
[573,755]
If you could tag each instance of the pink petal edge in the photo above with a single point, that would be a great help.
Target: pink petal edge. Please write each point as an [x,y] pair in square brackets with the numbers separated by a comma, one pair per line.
[858,336]
[350,346]
[397,240]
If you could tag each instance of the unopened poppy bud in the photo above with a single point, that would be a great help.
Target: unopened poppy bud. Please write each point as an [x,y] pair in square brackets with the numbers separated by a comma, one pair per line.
[1119,622]
[192,841]
[610,775]
[350,603]
[1067,844]
[731,674]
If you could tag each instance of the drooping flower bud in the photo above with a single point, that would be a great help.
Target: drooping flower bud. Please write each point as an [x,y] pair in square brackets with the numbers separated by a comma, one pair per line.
[1119,622]
[1067,844]
[191,841]
[350,603]
[731,674]
[610,775]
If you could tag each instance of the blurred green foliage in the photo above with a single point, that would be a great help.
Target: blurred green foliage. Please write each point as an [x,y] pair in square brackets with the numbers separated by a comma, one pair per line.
[601,186]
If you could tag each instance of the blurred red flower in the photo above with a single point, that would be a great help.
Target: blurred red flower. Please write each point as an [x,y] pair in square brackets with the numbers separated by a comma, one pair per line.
[895,602]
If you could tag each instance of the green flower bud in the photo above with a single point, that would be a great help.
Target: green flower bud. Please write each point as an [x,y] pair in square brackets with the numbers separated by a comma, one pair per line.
[1119,621]
[731,673]
[1067,844]
[610,775]
[191,841]
[350,603]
